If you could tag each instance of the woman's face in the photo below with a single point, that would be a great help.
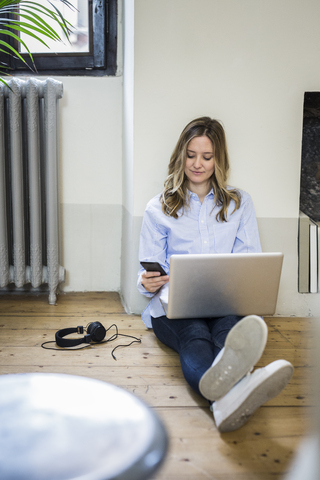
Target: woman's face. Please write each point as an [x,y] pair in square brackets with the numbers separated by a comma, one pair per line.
[200,161]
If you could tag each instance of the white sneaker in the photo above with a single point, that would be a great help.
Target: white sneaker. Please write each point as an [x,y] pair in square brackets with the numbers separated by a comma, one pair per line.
[243,347]
[234,409]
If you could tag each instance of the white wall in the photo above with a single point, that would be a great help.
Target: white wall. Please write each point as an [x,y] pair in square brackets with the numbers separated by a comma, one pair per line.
[91,182]
[248,64]
[128,247]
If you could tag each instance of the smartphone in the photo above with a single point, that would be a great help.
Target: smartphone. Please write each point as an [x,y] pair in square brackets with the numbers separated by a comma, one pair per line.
[153,267]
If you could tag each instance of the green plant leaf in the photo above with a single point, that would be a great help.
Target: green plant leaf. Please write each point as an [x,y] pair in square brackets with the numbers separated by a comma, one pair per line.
[54,14]
[7,45]
[44,27]
[48,13]
[30,18]
[23,27]
[27,32]
[39,21]
[13,35]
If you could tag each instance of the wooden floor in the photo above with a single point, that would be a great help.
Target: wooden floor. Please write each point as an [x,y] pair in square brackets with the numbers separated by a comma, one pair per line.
[262,449]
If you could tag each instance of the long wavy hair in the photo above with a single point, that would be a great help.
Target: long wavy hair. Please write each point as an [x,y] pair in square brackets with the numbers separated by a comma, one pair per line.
[175,194]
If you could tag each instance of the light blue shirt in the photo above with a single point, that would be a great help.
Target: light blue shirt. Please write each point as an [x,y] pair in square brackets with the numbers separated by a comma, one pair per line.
[195,231]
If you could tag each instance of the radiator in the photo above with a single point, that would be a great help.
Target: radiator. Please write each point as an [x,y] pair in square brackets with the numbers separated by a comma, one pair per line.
[29,196]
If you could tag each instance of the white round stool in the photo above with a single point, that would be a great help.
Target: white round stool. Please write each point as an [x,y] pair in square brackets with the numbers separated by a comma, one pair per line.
[63,427]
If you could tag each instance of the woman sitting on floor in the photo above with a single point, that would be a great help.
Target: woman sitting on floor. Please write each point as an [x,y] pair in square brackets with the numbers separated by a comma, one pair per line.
[197,212]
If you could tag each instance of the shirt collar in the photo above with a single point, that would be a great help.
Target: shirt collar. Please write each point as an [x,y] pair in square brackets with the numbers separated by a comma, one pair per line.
[194,195]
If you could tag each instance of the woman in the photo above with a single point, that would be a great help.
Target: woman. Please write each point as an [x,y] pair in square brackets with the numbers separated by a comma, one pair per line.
[197,212]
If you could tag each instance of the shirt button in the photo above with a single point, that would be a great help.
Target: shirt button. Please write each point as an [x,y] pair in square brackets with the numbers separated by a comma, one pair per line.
[202,221]
[205,241]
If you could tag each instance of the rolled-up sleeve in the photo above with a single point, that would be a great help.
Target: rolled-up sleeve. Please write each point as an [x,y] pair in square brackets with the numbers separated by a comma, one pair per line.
[153,244]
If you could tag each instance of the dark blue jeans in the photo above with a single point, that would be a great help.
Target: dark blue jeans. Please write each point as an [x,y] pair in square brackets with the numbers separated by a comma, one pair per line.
[197,341]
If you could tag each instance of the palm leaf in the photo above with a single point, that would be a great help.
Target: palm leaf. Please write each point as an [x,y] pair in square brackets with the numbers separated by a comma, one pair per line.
[41,22]
[9,47]
[34,19]
[13,35]
[55,15]
[24,27]
[27,31]
[30,18]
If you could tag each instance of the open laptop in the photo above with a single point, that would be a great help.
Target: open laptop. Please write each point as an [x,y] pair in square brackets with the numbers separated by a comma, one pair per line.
[216,285]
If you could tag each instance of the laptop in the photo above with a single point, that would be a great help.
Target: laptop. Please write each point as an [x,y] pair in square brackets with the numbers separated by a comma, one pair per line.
[216,285]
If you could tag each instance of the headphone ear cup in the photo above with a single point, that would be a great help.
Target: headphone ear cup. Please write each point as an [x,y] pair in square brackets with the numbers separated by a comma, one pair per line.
[97,331]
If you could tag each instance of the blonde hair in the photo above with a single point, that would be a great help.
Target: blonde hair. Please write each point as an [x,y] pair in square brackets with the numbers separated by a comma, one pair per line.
[175,194]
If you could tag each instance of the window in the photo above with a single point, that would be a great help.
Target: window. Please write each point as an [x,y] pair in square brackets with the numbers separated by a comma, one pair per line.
[93,45]
[78,17]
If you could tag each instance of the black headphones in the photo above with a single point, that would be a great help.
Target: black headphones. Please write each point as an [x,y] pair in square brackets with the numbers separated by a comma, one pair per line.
[95,333]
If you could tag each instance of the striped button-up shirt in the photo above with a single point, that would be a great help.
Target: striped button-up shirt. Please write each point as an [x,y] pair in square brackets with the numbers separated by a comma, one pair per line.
[196,230]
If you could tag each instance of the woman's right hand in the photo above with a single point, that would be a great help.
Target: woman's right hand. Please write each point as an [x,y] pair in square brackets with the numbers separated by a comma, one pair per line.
[153,281]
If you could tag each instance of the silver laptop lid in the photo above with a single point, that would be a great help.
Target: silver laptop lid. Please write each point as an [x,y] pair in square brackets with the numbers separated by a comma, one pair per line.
[215,285]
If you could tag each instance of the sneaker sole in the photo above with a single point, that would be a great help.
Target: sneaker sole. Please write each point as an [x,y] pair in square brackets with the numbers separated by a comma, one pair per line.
[243,348]
[267,389]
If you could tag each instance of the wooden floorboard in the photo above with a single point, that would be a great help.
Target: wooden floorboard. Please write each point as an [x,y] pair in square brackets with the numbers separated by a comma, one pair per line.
[261,450]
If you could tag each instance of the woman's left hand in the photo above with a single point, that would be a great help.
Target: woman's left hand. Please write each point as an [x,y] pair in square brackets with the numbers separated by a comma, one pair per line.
[153,281]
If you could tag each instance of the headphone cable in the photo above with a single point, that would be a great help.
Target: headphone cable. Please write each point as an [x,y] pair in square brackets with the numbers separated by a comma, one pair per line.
[110,339]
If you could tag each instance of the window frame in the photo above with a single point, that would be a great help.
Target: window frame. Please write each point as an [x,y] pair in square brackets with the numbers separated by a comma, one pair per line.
[101,60]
